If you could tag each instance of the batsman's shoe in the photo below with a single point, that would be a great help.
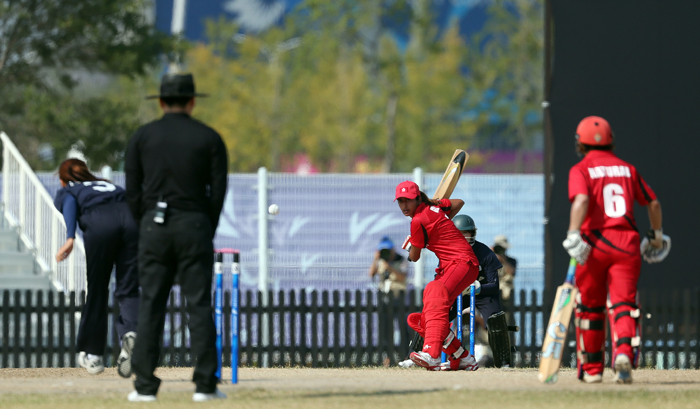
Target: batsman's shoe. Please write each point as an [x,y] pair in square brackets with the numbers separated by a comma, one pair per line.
[203,397]
[406,364]
[124,360]
[598,378]
[468,363]
[93,364]
[623,369]
[424,360]
[137,397]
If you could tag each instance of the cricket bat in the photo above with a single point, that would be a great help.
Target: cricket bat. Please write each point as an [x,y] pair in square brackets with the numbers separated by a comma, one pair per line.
[452,174]
[558,327]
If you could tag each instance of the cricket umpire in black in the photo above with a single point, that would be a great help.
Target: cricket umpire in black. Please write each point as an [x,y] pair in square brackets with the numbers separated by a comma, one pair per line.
[176,169]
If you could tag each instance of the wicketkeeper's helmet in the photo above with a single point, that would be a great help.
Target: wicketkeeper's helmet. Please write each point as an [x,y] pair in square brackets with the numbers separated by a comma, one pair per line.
[465,223]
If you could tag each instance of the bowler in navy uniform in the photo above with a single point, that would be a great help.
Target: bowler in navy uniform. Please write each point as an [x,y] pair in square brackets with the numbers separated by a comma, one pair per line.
[111,239]
[176,169]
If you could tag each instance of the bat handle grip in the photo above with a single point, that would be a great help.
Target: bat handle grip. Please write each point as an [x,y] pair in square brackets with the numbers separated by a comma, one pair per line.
[571,273]
[406,242]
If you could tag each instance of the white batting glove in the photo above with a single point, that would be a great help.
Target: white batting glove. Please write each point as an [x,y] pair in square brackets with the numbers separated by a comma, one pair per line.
[652,254]
[576,246]
[656,238]
[477,288]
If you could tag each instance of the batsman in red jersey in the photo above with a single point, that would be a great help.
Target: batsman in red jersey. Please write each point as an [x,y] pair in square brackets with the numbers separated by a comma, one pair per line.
[603,238]
[432,228]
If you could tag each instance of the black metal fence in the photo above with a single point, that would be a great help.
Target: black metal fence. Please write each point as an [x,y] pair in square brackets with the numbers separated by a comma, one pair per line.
[326,329]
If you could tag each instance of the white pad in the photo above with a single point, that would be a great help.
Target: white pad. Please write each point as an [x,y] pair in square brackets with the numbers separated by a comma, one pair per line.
[653,255]
[577,247]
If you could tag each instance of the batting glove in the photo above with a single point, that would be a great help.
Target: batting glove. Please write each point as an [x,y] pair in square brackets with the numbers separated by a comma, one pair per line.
[653,254]
[656,238]
[576,246]
[477,288]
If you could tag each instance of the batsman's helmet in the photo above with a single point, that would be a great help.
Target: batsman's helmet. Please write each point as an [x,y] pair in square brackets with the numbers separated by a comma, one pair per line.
[465,223]
[594,131]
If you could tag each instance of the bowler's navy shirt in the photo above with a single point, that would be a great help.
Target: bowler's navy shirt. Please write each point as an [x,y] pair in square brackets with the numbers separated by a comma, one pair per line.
[79,198]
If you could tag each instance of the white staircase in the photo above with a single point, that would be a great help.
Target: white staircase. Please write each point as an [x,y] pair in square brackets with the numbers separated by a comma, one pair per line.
[17,267]
[31,231]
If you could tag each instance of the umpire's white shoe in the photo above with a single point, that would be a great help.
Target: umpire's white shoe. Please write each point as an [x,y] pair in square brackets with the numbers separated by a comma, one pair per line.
[124,360]
[137,397]
[623,369]
[93,364]
[423,359]
[203,397]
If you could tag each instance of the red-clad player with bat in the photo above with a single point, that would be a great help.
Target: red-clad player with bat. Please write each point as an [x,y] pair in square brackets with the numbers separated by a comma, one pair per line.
[432,228]
[603,238]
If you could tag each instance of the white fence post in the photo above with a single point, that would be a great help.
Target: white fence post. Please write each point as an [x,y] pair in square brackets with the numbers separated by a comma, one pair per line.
[419,267]
[263,244]
[106,172]
[6,177]
[263,255]
[22,202]
[38,227]
[54,245]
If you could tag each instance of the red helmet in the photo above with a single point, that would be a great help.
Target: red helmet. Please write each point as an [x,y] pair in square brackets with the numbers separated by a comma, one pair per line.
[594,130]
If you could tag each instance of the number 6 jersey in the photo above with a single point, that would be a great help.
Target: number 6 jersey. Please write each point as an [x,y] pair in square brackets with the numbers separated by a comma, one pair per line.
[612,186]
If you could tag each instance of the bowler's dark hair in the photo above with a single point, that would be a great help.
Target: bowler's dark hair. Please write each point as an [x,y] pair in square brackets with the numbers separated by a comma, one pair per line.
[75,170]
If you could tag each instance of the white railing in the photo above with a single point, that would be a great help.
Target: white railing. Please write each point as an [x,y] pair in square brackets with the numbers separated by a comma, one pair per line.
[29,208]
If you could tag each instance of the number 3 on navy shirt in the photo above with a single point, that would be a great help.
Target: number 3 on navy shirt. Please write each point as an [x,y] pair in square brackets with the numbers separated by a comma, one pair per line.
[102,186]
[614,201]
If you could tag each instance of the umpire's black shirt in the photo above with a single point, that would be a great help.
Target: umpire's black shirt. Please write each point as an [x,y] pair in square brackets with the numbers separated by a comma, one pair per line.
[179,159]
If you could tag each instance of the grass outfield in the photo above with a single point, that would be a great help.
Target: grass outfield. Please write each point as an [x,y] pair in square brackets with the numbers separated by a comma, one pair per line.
[263,399]
[355,388]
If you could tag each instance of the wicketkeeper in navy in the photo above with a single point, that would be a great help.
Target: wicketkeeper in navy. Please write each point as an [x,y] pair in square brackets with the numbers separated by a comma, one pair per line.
[111,240]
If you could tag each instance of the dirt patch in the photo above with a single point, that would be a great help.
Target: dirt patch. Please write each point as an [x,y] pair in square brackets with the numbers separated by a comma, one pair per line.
[77,381]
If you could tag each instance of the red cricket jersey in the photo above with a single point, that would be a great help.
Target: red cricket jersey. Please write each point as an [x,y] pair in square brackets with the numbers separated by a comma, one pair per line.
[612,186]
[432,229]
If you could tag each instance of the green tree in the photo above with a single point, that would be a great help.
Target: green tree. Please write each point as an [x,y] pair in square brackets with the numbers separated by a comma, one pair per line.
[508,60]
[431,121]
[99,121]
[332,83]
[109,36]
[49,48]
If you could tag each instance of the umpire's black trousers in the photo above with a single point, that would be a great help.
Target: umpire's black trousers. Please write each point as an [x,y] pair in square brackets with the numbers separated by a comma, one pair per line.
[181,246]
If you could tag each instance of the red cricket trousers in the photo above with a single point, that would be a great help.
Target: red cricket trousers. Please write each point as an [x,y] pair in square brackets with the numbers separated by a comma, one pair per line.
[453,277]
[612,268]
